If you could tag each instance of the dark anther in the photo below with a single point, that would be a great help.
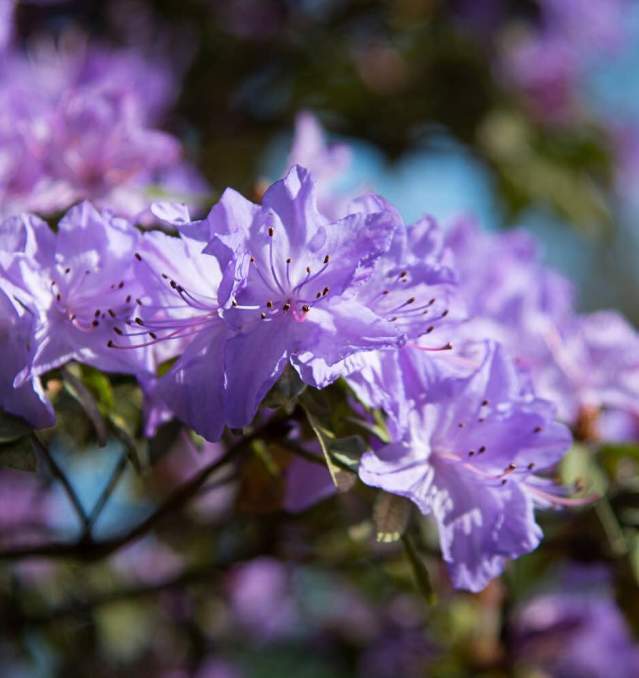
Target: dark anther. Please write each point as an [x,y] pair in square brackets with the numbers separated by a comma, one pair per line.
[484,403]
[121,285]
[269,304]
[504,481]
[530,466]
[138,257]
[482,449]
[306,308]
[288,261]
[110,344]
[308,269]
[58,296]
[270,231]
[286,307]
[325,291]
[471,453]
[537,429]
[326,259]
[173,284]
[252,260]
[411,300]
[95,323]
[444,313]
[430,329]
[139,321]
[67,271]
[128,299]
[153,335]
[117,330]
[263,316]
[97,314]
[111,313]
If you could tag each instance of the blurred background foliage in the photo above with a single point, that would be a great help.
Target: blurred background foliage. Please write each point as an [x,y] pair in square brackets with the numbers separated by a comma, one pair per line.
[417,86]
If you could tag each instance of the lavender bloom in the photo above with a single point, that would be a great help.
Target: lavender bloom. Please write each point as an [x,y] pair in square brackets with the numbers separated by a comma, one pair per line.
[549,63]
[262,599]
[181,316]
[6,23]
[79,287]
[580,363]
[16,334]
[575,632]
[327,163]
[306,484]
[469,456]
[289,283]
[80,124]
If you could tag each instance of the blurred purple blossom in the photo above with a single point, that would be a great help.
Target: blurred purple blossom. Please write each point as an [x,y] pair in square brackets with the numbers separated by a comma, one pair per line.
[576,631]
[80,122]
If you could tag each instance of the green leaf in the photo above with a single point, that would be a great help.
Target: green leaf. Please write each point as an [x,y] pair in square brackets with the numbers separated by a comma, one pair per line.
[579,468]
[18,454]
[347,451]
[422,578]
[100,386]
[286,391]
[77,389]
[12,427]
[342,479]
[390,515]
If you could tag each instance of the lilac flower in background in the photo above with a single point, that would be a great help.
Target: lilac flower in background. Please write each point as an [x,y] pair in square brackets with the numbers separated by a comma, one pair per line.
[78,286]
[595,366]
[549,63]
[291,277]
[577,630]
[469,456]
[6,23]
[262,599]
[327,163]
[580,363]
[306,484]
[80,122]
[16,341]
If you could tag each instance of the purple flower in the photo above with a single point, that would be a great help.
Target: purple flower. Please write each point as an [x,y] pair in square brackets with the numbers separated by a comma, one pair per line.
[468,454]
[327,163]
[576,631]
[16,337]
[549,63]
[80,124]
[288,291]
[580,363]
[78,286]
[306,484]
[181,316]
[6,23]
[262,599]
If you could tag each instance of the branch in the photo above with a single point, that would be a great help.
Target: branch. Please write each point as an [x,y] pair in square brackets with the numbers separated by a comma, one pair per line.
[89,550]
[59,474]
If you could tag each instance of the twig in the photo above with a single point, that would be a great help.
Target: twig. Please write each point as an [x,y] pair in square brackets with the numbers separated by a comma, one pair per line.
[59,474]
[89,549]
[107,492]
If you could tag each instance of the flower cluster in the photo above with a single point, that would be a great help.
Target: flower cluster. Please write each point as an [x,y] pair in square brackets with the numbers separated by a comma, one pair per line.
[473,365]
[550,61]
[80,121]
